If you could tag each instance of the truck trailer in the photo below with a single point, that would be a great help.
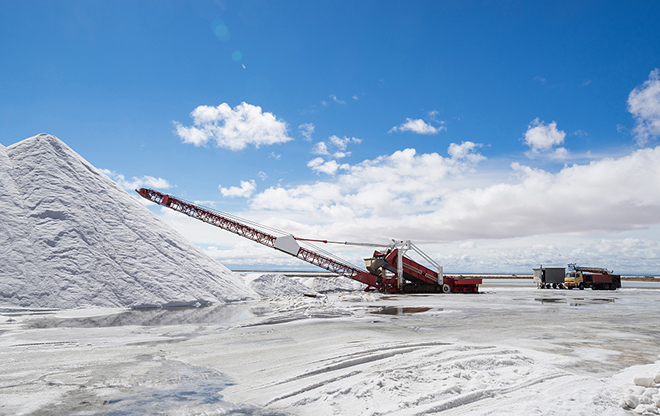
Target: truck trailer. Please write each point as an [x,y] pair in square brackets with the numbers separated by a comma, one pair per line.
[549,277]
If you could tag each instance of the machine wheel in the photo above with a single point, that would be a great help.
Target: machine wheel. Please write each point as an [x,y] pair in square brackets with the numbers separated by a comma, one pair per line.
[581,286]
[554,285]
[446,288]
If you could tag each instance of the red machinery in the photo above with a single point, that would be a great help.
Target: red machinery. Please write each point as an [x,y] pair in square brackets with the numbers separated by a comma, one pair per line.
[388,271]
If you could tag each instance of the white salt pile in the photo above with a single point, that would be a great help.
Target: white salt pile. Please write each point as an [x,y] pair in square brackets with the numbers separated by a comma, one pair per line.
[72,238]
[272,285]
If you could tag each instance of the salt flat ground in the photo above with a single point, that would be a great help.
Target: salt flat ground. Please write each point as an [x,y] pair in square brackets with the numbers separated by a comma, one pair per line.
[511,349]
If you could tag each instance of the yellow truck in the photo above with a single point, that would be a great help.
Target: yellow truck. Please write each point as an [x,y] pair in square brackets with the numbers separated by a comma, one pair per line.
[594,277]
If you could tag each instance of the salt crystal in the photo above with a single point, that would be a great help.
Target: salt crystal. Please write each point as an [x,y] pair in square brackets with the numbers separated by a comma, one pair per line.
[644,381]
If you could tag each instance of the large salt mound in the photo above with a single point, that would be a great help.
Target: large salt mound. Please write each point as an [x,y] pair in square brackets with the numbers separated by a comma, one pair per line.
[72,238]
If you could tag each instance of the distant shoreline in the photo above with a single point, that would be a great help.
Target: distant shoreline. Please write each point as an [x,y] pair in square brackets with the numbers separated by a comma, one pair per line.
[309,273]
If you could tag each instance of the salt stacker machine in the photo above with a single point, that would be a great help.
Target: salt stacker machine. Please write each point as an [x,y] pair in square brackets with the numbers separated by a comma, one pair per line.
[388,271]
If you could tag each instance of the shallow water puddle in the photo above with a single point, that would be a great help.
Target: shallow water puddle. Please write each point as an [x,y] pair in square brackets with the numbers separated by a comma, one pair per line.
[398,310]
[577,301]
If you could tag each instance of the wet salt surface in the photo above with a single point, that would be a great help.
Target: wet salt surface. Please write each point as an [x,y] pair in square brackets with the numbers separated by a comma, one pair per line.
[497,352]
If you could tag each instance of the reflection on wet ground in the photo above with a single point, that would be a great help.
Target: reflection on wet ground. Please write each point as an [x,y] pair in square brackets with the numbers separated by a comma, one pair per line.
[146,385]
[398,310]
[154,317]
[576,301]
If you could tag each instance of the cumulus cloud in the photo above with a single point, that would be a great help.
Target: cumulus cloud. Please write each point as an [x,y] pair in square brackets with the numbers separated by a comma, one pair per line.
[136,183]
[391,185]
[306,131]
[418,126]
[410,195]
[335,147]
[244,191]
[341,144]
[465,151]
[644,104]
[542,139]
[320,148]
[320,166]
[233,129]
[626,245]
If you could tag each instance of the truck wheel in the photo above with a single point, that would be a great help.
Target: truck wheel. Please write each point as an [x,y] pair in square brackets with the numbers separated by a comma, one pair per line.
[554,285]
[581,286]
[446,288]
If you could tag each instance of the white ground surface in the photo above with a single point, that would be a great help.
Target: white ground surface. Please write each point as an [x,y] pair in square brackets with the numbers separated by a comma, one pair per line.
[510,350]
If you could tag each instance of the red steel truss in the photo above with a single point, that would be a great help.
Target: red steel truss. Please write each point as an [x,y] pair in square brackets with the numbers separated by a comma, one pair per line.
[207,216]
[423,280]
[222,221]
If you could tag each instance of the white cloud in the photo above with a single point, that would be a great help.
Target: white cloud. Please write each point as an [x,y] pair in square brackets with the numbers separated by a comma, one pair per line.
[339,155]
[233,129]
[544,247]
[627,245]
[418,126]
[262,175]
[335,99]
[320,166]
[468,245]
[410,195]
[244,191]
[542,139]
[320,148]
[342,143]
[136,183]
[644,104]
[394,185]
[336,144]
[306,131]
[465,151]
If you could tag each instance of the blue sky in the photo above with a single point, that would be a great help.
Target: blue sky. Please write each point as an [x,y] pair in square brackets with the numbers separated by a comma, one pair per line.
[497,135]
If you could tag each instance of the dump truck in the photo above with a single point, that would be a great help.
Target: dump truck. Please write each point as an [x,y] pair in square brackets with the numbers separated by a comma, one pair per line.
[595,278]
[550,277]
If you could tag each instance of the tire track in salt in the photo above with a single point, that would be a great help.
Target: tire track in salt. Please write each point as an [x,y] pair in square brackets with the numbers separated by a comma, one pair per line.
[473,397]
[451,358]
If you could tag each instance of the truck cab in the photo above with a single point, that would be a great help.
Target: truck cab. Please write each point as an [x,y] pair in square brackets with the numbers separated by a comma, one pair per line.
[573,280]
